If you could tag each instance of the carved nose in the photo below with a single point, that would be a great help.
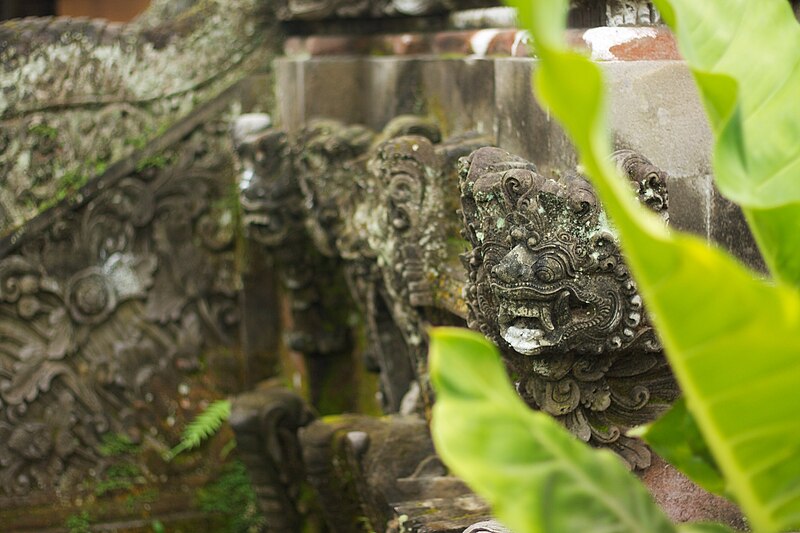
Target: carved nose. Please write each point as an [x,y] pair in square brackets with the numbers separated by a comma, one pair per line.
[516,266]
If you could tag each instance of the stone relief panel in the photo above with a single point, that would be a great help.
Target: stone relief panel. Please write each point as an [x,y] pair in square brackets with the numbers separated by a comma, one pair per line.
[77,95]
[548,284]
[107,314]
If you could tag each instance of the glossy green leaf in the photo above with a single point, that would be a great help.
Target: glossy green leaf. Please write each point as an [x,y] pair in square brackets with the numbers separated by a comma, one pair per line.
[745,55]
[536,476]
[676,437]
[733,341]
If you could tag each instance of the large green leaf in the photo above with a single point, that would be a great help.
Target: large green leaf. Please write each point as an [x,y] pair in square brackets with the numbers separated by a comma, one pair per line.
[676,437]
[745,55]
[733,341]
[536,476]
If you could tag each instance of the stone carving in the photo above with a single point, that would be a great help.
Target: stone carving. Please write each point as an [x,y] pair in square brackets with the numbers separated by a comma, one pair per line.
[631,13]
[325,9]
[375,200]
[80,94]
[362,466]
[548,284]
[488,526]
[274,218]
[266,422]
[104,315]
[331,169]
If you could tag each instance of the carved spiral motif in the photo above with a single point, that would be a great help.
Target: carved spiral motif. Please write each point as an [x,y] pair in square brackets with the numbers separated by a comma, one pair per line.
[90,296]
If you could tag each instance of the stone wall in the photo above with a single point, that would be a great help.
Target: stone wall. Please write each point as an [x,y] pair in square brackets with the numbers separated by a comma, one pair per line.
[654,107]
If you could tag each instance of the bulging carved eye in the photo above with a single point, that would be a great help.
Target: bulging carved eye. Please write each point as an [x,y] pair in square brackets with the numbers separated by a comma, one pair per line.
[548,269]
[518,234]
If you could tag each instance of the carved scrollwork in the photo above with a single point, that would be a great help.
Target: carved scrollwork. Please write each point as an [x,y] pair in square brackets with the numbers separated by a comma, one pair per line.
[548,284]
[104,313]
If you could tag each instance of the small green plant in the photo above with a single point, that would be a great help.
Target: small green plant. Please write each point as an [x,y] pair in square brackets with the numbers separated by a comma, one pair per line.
[69,183]
[115,444]
[43,130]
[153,161]
[204,426]
[233,497]
[78,523]
[122,476]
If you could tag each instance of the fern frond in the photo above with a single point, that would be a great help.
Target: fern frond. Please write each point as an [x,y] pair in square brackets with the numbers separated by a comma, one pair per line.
[204,426]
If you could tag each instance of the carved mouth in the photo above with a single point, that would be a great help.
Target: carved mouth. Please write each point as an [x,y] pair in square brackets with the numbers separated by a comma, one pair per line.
[528,326]
[532,326]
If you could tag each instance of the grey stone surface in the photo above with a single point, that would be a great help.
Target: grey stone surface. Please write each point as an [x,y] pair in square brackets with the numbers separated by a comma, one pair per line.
[689,204]
[729,229]
[334,88]
[460,94]
[523,128]
[393,89]
[289,113]
[654,108]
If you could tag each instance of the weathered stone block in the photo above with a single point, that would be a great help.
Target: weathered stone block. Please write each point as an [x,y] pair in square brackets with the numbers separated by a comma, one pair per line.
[728,228]
[334,88]
[289,112]
[522,126]
[654,109]
[460,94]
[689,204]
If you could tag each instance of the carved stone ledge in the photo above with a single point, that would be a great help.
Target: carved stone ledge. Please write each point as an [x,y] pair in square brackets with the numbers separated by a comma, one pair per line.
[379,202]
[329,9]
[266,422]
[548,284]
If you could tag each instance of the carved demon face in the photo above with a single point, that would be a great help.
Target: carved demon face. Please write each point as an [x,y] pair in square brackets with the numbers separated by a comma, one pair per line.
[547,283]
[549,277]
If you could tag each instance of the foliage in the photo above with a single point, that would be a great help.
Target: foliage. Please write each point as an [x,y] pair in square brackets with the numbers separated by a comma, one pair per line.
[153,161]
[752,104]
[120,476]
[233,497]
[732,339]
[115,444]
[536,476]
[43,130]
[204,426]
[676,438]
[78,523]
[743,410]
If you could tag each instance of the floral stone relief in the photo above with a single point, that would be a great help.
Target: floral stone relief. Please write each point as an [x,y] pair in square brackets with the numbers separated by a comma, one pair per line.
[104,317]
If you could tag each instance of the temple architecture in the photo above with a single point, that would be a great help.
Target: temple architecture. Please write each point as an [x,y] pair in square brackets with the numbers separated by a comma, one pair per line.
[272,201]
